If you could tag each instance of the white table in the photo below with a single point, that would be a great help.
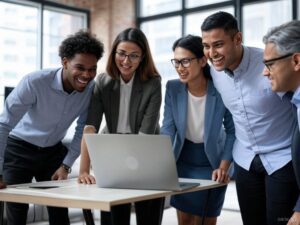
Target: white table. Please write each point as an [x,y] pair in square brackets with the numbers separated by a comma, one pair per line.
[68,193]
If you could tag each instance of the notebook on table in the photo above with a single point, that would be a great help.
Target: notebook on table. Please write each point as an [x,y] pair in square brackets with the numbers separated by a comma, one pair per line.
[134,162]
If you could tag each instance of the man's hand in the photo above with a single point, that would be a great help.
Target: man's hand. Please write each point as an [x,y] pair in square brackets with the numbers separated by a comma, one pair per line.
[60,174]
[2,183]
[295,219]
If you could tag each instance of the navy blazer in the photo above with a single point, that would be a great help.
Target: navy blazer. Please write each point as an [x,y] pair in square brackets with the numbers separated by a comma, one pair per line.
[218,144]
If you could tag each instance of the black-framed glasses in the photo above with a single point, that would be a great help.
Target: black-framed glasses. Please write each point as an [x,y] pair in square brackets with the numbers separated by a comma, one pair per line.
[270,62]
[133,57]
[185,62]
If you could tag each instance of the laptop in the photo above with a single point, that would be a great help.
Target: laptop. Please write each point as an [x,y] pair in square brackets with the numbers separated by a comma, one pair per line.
[134,161]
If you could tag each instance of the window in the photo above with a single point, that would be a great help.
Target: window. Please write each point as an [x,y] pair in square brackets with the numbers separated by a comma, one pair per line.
[257,22]
[298,11]
[30,36]
[10,42]
[152,7]
[194,3]
[57,25]
[194,20]
[18,25]
[161,34]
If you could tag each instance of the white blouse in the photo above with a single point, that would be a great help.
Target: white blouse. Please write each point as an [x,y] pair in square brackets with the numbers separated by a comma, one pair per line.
[195,118]
[125,94]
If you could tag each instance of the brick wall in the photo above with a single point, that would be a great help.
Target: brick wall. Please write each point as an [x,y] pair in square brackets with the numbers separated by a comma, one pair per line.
[107,19]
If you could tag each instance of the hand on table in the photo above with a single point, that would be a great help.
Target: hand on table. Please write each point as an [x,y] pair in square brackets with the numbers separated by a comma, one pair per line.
[86,178]
[60,174]
[220,175]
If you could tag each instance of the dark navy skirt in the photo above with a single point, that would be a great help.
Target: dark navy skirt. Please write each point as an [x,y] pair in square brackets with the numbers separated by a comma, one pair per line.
[193,163]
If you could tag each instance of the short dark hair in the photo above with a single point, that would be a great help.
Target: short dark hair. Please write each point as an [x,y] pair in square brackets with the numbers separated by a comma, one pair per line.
[222,20]
[81,42]
[146,68]
[193,44]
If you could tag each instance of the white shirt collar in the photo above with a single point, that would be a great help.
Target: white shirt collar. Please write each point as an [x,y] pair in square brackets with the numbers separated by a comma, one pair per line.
[128,84]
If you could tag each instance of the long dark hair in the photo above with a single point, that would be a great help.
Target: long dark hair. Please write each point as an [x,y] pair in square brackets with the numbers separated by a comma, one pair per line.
[146,68]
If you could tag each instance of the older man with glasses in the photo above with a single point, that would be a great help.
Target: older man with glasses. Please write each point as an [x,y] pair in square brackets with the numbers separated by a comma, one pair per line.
[282,61]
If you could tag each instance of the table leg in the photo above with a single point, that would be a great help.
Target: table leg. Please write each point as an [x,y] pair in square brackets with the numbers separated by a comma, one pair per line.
[88,217]
[2,219]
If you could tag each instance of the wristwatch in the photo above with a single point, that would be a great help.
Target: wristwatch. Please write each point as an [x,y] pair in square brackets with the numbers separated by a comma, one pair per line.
[66,168]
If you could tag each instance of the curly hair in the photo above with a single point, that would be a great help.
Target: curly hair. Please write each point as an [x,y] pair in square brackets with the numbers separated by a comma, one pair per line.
[81,42]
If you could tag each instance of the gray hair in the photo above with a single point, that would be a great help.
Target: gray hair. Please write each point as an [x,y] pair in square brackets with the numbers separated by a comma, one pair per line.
[285,37]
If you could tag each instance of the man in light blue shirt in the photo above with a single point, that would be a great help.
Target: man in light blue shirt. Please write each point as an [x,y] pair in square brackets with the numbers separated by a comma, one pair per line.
[264,122]
[282,67]
[36,117]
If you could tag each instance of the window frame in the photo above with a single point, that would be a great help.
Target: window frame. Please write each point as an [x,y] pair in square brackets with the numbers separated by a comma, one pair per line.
[42,5]
[236,4]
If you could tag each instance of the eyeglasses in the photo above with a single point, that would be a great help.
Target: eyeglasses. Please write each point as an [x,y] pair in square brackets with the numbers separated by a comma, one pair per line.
[132,57]
[186,62]
[270,62]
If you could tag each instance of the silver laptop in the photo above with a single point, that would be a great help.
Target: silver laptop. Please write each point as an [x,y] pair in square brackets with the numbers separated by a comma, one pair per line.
[134,162]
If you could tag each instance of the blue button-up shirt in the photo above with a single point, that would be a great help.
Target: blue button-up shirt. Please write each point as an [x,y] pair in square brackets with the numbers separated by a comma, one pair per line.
[296,101]
[264,121]
[40,112]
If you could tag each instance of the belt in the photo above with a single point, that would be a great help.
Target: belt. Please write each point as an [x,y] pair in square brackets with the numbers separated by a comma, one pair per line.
[32,146]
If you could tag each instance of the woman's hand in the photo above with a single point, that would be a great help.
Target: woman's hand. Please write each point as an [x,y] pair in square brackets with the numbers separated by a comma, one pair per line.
[220,175]
[86,178]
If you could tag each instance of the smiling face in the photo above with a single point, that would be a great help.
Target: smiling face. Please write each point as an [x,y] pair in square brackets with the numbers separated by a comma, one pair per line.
[282,72]
[223,49]
[195,69]
[128,56]
[78,71]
